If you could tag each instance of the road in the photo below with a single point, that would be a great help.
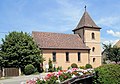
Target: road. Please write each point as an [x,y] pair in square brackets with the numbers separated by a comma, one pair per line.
[20,79]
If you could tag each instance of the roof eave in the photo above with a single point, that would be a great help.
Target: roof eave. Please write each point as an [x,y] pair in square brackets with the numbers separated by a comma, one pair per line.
[86,27]
[66,48]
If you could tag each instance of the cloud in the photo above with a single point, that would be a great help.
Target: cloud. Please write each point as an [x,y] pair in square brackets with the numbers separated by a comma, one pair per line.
[108,41]
[113,42]
[108,21]
[115,34]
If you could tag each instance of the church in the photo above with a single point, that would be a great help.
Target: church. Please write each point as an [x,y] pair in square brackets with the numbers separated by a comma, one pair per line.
[83,47]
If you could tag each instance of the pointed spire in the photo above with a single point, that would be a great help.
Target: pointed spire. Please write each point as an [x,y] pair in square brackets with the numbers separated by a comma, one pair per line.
[86,21]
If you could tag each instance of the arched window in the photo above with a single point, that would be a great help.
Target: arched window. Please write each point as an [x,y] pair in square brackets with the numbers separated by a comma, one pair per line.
[93,59]
[93,49]
[93,36]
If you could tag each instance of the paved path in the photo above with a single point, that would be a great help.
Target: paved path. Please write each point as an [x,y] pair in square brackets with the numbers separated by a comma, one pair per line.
[20,79]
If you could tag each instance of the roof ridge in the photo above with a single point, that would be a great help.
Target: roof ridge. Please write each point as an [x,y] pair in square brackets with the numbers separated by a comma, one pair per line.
[52,33]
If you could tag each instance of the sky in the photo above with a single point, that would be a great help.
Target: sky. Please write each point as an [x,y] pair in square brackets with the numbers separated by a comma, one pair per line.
[60,16]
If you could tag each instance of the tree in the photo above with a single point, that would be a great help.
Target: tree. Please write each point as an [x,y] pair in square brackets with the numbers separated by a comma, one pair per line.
[1,59]
[19,49]
[112,53]
[115,54]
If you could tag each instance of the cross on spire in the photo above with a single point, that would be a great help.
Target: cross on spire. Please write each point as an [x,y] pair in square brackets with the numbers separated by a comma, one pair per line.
[85,7]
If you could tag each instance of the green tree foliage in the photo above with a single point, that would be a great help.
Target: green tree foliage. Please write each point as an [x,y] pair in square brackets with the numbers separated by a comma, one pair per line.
[1,59]
[112,53]
[19,49]
[108,74]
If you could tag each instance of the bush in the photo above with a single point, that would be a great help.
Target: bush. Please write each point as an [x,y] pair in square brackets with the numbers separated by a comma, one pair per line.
[74,65]
[69,68]
[87,66]
[51,68]
[59,68]
[82,67]
[108,74]
[29,69]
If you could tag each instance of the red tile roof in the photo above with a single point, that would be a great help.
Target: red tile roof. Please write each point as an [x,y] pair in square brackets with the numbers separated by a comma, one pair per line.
[58,40]
[86,21]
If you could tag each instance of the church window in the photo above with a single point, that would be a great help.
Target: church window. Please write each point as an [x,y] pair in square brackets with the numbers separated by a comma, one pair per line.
[93,49]
[67,56]
[54,56]
[93,59]
[93,36]
[79,56]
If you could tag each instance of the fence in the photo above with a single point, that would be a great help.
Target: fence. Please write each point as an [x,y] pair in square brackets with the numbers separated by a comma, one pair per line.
[11,72]
[6,72]
[0,72]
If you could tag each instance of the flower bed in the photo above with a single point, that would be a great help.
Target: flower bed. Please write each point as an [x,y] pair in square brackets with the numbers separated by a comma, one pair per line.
[62,76]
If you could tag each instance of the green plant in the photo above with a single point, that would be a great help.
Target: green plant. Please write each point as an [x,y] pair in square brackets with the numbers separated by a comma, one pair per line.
[29,69]
[69,67]
[51,68]
[59,68]
[65,76]
[82,67]
[87,66]
[74,65]
[108,74]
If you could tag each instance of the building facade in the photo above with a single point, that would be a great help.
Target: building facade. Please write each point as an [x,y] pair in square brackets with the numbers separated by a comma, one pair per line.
[82,47]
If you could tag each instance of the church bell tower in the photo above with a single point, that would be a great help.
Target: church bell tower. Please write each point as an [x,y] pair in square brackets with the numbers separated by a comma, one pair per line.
[89,32]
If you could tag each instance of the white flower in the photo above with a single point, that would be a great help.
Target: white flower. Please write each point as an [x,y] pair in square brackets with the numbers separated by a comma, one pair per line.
[73,76]
[80,73]
[58,81]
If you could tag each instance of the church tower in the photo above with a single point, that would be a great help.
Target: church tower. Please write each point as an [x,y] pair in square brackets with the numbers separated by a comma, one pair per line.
[90,34]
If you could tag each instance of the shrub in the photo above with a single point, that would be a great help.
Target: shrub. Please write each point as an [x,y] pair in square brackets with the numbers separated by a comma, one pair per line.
[82,67]
[108,74]
[87,66]
[74,65]
[69,67]
[51,68]
[59,68]
[29,69]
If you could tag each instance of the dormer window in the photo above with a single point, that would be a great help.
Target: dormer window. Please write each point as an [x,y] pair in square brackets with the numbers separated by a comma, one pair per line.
[93,36]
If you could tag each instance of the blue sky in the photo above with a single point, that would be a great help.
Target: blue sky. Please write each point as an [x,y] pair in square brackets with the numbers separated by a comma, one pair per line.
[59,16]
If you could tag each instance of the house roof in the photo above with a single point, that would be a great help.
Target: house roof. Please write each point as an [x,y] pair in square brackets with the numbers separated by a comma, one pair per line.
[58,40]
[118,44]
[86,21]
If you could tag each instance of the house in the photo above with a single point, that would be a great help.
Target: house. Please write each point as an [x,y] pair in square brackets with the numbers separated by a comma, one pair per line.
[118,44]
[82,47]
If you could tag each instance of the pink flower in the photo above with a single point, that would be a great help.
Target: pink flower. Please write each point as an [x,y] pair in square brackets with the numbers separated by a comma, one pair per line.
[31,82]
[59,73]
